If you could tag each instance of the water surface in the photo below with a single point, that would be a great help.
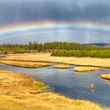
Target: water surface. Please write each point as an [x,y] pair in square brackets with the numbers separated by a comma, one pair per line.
[69,83]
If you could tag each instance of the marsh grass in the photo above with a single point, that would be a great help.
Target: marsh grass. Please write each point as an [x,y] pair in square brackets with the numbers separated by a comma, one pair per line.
[85,68]
[40,85]
[105,76]
[20,92]
[47,58]
[61,66]
[25,64]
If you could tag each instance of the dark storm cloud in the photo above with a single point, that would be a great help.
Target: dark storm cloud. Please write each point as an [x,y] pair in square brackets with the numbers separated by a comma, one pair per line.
[29,10]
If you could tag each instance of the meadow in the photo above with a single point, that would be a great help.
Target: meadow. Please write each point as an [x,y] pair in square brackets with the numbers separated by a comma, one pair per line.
[20,92]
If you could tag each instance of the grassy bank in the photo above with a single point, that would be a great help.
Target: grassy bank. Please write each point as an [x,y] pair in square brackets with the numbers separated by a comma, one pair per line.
[25,64]
[105,76]
[46,57]
[20,92]
[61,66]
[85,68]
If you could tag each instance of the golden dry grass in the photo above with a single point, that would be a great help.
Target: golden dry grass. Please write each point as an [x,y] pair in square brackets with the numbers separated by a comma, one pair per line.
[20,92]
[17,83]
[85,68]
[105,76]
[45,57]
[61,66]
[46,101]
[25,64]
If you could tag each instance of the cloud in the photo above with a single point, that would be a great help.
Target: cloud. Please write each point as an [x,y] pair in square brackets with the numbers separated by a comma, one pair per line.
[32,10]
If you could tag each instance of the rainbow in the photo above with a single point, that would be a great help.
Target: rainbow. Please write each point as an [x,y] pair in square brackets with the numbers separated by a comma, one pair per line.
[24,27]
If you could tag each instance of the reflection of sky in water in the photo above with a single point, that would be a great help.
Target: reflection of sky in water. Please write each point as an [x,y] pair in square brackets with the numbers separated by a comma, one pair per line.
[82,36]
[69,83]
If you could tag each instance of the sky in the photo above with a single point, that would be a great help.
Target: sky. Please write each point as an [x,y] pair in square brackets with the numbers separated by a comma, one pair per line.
[58,10]
[25,11]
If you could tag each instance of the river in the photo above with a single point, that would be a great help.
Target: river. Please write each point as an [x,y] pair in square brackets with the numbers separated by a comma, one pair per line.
[68,83]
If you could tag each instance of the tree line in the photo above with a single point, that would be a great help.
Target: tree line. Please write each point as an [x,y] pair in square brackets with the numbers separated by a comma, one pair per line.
[58,49]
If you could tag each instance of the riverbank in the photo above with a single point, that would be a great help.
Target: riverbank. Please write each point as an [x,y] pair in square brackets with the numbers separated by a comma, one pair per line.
[105,76]
[61,66]
[25,64]
[85,68]
[46,57]
[20,92]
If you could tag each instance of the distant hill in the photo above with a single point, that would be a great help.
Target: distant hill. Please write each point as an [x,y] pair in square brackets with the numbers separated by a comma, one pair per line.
[99,44]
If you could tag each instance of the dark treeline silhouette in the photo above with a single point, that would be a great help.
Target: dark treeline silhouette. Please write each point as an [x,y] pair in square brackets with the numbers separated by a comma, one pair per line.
[82,53]
[58,49]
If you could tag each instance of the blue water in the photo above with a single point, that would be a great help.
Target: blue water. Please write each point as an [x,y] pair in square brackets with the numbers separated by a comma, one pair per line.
[69,83]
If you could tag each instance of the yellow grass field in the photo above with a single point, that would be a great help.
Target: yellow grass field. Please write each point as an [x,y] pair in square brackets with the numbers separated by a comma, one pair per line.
[25,64]
[85,68]
[45,57]
[61,66]
[105,76]
[20,92]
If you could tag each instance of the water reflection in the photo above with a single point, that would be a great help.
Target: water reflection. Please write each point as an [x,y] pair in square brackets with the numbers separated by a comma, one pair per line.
[84,86]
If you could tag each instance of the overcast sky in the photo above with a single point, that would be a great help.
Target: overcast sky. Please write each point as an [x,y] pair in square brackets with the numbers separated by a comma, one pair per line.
[59,10]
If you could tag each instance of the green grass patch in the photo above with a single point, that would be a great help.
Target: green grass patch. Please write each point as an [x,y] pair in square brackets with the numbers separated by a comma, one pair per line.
[39,85]
[82,53]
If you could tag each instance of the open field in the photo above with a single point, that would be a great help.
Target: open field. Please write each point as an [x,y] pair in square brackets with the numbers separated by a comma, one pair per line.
[46,57]
[20,92]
